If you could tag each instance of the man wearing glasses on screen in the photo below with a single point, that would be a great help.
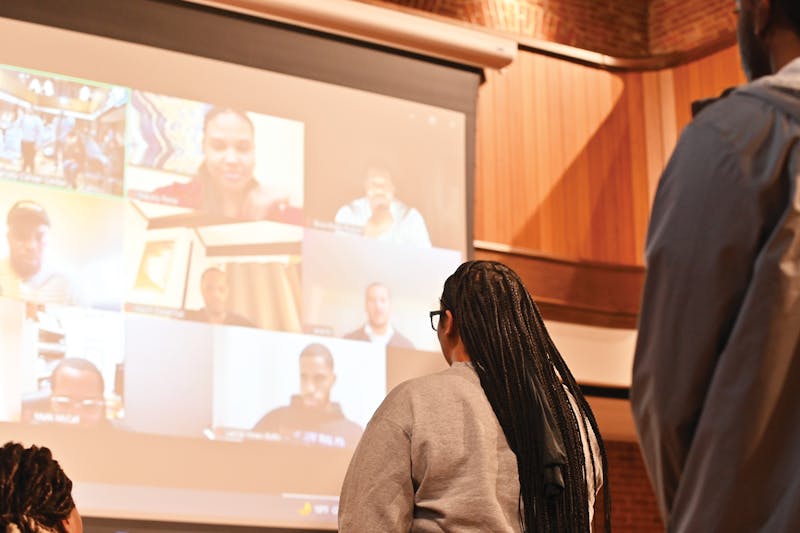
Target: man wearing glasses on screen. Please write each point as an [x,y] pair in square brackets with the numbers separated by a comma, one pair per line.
[76,397]
[25,273]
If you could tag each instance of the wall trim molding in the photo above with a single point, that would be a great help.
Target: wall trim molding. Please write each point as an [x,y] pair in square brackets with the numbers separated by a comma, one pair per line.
[578,292]
[624,64]
[380,24]
[499,247]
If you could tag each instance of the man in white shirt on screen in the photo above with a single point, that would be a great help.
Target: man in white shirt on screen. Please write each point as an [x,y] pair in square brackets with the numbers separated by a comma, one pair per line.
[379,215]
[25,274]
[378,327]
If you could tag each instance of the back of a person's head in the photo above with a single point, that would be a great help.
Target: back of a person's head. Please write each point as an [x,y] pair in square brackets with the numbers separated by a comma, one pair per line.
[35,493]
[491,306]
[528,385]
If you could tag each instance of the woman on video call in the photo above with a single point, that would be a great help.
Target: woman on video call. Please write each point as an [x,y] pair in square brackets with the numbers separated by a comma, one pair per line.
[225,184]
[502,441]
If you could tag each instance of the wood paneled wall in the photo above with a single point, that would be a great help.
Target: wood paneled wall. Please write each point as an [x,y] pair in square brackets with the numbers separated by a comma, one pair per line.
[568,156]
[578,292]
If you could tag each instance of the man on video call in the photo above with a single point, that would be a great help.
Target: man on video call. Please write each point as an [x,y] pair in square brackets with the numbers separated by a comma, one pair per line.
[215,290]
[378,328]
[76,397]
[25,273]
[379,215]
[311,417]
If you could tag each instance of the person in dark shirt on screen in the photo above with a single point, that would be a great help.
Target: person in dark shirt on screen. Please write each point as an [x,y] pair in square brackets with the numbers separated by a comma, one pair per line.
[378,327]
[214,286]
[311,417]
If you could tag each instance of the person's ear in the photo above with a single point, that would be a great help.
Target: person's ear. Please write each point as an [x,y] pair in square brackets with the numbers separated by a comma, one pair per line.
[448,324]
[73,523]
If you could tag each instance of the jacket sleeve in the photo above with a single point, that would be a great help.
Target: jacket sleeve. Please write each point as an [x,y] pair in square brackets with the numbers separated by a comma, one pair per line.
[377,493]
[706,225]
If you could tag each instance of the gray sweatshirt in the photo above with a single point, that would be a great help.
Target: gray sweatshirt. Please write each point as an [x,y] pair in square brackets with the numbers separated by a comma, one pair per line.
[434,458]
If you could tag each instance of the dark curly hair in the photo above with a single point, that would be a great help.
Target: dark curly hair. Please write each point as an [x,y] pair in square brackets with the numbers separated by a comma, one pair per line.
[35,493]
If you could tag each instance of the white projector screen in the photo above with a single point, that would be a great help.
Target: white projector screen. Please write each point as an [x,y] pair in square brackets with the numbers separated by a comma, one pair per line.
[176,232]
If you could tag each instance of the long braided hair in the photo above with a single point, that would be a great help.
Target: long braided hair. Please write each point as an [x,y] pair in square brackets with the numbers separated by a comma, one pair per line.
[528,386]
[35,493]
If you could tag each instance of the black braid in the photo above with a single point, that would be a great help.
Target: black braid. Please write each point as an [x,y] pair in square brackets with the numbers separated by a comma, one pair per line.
[34,491]
[521,371]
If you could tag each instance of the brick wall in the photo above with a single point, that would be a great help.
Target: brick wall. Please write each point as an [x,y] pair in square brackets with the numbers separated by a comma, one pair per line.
[615,27]
[619,28]
[634,508]
[678,25]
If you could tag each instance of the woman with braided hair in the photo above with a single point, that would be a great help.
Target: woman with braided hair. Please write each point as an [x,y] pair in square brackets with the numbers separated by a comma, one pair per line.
[35,493]
[502,441]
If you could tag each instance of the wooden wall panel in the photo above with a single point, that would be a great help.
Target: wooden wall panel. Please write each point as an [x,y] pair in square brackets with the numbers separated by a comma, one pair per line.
[582,293]
[704,78]
[568,156]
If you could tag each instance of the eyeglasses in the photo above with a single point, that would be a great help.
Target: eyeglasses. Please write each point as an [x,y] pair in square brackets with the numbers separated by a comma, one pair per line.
[435,317]
[65,402]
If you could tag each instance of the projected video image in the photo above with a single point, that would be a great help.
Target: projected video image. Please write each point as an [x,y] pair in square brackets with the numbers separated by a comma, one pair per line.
[372,291]
[159,271]
[379,214]
[213,264]
[62,132]
[215,159]
[249,293]
[68,364]
[12,333]
[299,389]
[236,274]
[60,247]
[394,167]
[168,376]
[244,384]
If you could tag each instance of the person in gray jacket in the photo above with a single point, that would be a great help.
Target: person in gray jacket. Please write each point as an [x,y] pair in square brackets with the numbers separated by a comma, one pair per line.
[716,377]
[502,441]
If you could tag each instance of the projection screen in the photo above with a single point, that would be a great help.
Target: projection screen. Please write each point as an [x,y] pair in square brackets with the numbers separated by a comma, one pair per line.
[221,238]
